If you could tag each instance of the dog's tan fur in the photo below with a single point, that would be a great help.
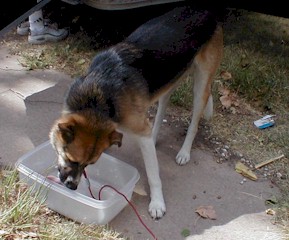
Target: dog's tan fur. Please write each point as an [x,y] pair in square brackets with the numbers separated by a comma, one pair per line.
[80,136]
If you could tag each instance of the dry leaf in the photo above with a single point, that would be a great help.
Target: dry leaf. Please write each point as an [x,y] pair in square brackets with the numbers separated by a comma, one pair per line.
[226,101]
[245,171]
[233,110]
[227,98]
[226,75]
[206,212]
[81,61]
[224,91]
[235,99]
[270,212]
[140,190]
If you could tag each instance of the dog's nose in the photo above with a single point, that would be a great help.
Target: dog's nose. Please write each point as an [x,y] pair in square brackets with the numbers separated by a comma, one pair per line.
[71,185]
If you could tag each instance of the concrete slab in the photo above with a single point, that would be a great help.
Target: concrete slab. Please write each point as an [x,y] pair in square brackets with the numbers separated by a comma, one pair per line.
[258,228]
[31,101]
[240,208]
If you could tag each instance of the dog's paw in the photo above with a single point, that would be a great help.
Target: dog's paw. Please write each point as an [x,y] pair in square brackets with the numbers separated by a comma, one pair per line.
[157,209]
[183,158]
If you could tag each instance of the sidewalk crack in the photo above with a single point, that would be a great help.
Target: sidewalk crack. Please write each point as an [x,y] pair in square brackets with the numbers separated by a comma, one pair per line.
[17,93]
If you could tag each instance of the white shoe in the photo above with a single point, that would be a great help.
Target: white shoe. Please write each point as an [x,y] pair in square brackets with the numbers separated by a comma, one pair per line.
[23,28]
[48,34]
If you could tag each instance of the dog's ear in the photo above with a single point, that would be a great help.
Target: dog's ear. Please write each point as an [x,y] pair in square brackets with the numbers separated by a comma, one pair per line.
[66,130]
[115,138]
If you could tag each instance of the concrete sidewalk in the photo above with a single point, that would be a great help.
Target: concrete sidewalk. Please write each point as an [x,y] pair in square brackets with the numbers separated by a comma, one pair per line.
[31,100]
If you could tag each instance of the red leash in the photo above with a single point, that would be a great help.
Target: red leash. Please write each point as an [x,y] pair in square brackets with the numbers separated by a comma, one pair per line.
[129,202]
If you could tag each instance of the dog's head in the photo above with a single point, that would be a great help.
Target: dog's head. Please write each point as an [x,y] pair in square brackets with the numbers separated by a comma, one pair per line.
[79,143]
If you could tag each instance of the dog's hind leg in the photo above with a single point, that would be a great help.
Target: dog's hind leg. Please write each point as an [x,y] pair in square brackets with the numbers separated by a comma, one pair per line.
[204,66]
[162,105]
[201,96]
[208,111]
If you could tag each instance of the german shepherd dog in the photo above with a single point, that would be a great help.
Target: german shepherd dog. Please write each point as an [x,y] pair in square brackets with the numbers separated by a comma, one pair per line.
[127,78]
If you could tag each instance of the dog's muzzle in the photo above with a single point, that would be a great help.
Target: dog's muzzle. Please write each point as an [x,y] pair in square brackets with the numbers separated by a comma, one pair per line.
[69,182]
[70,175]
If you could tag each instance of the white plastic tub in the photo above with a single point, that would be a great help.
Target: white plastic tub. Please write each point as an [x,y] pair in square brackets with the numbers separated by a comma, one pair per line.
[78,205]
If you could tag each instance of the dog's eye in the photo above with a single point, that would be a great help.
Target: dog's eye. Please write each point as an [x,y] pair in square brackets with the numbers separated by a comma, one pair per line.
[72,163]
[63,168]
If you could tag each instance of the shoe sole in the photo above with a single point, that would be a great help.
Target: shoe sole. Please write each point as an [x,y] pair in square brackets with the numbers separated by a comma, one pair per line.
[46,38]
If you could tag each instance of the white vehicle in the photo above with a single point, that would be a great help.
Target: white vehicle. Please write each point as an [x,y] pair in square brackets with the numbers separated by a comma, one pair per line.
[121,4]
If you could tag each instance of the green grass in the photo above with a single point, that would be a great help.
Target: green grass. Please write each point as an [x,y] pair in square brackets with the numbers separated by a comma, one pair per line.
[257,55]
[72,55]
[23,215]
[24,208]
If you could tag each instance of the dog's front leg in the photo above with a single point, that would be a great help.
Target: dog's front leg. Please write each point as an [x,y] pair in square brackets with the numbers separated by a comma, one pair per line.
[157,207]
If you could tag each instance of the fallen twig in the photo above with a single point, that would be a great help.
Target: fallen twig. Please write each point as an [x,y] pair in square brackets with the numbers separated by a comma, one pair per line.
[268,161]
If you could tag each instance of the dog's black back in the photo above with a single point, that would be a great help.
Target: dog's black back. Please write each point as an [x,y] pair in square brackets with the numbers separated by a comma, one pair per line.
[154,55]
[170,42]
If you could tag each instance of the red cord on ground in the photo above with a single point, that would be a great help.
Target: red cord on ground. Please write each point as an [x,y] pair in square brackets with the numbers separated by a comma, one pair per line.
[129,202]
